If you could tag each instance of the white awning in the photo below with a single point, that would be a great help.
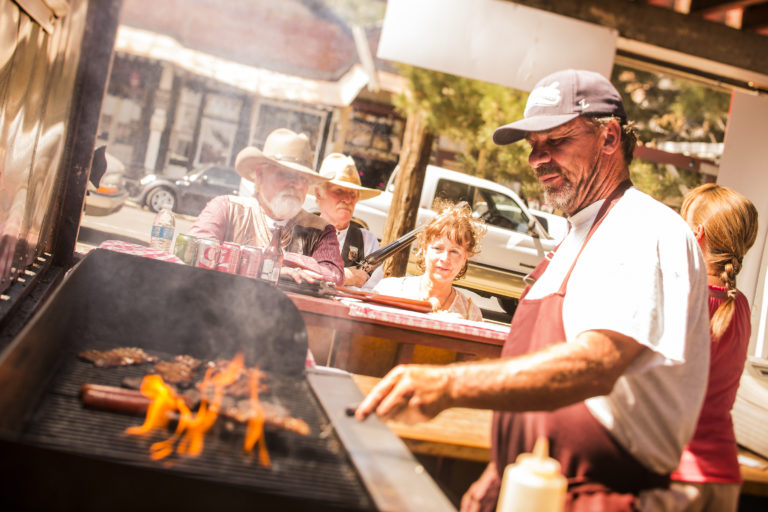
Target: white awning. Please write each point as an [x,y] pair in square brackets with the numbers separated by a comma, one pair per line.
[259,81]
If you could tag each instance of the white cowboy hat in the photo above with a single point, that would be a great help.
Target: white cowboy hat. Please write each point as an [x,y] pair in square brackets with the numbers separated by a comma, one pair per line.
[341,171]
[283,148]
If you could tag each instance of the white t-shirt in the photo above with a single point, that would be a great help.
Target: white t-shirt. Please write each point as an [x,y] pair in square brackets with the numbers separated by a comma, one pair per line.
[642,274]
[370,244]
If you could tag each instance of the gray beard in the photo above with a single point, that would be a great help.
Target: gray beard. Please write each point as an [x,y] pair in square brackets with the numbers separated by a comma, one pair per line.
[283,207]
[560,199]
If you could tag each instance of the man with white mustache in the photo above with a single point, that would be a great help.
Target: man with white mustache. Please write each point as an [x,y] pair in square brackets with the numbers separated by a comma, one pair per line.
[337,199]
[282,174]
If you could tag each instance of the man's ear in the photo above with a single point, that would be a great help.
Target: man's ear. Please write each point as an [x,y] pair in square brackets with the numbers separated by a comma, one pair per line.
[611,137]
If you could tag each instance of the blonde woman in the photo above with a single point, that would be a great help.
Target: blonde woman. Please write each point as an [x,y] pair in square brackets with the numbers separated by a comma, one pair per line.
[725,225]
[444,248]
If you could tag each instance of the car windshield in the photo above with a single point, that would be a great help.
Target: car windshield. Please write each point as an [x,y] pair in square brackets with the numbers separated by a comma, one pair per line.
[194,174]
[500,210]
[222,176]
[215,176]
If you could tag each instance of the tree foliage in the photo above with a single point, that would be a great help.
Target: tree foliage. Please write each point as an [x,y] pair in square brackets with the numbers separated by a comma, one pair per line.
[467,112]
[662,108]
[668,109]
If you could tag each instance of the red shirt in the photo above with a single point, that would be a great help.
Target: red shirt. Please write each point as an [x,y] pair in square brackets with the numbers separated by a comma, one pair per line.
[712,454]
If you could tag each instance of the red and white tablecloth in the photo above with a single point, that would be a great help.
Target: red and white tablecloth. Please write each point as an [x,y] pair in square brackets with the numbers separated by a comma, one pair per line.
[434,321]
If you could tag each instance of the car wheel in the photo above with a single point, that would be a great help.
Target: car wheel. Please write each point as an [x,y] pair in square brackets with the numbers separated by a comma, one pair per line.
[160,198]
[508,304]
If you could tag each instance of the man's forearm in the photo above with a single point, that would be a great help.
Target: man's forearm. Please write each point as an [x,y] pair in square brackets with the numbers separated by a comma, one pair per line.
[560,375]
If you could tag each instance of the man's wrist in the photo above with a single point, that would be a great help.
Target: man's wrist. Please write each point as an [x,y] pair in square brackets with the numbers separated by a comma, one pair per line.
[452,384]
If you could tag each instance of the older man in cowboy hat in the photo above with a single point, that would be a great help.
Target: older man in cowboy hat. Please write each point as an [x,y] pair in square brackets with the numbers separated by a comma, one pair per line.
[282,174]
[337,199]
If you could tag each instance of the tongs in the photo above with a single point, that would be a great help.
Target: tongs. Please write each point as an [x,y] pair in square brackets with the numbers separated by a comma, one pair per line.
[421,306]
[327,289]
[377,257]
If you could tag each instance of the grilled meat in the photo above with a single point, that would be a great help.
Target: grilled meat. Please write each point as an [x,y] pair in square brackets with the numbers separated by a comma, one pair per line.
[123,356]
[179,371]
[240,388]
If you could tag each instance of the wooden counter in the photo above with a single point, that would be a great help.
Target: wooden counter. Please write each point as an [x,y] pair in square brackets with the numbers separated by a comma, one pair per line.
[334,334]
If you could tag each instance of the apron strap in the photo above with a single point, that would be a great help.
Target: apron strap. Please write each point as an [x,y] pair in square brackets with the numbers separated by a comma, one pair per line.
[601,214]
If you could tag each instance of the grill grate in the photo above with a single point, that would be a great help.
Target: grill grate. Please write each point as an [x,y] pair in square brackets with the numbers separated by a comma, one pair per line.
[314,467]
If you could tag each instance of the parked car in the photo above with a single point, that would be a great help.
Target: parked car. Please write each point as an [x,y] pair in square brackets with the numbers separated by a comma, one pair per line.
[111,193]
[189,194]
[514,244]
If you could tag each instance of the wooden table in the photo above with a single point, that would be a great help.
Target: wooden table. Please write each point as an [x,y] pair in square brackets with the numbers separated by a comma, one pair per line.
[333,334]
[466,434]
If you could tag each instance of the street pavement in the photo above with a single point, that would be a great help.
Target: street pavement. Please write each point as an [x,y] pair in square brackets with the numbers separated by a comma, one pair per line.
[131,224]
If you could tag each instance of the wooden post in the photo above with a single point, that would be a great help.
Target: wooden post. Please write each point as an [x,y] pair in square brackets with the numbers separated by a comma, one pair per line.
[417,147]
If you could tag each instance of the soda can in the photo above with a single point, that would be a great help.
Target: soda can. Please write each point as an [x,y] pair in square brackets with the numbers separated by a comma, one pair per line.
[208,252]
[186,248]
[250,261]
[229,261]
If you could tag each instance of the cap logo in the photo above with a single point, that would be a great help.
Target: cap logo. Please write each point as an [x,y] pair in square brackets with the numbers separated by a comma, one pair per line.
[583,104]
[544,96]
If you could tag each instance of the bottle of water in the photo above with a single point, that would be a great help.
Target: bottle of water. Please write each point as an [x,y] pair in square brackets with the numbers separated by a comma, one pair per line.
[162,230]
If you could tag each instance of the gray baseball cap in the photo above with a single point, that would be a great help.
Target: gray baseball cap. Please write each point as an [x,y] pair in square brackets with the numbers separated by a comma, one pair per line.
[561,97]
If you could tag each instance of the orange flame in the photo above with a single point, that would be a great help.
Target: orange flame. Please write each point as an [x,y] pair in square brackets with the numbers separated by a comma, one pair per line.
[222,378]
[163,403]
[255,429]
[188,439]
[193,428]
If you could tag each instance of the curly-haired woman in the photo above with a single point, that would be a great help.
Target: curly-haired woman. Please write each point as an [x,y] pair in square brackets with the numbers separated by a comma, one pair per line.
[444,247]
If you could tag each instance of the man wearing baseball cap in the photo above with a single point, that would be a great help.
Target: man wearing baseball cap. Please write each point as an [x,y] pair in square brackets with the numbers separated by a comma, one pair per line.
[608,349]
[336,199]
[282,174]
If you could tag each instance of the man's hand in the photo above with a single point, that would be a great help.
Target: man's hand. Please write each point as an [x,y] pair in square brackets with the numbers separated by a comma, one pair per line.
[355,276]
[410,394]
[478,491]
[300,274]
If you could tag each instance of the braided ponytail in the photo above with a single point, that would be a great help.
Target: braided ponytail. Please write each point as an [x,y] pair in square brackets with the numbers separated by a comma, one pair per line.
[720,321]
[729,222]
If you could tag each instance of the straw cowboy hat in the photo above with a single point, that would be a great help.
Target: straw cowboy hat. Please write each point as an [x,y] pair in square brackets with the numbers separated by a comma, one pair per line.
[283,148]
[341,171]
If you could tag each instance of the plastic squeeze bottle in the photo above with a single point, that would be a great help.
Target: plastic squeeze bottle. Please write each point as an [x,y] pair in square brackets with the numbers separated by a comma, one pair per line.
[534,483]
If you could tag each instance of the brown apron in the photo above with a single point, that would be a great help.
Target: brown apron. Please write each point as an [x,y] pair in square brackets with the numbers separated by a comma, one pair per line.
[601,474]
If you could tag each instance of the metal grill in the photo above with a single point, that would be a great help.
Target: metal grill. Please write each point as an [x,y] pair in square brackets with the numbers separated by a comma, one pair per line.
[115,300]
[59,455]
[314,467]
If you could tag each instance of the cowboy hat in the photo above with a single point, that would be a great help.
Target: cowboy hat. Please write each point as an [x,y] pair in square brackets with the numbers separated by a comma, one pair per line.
[341,171]
[283,148]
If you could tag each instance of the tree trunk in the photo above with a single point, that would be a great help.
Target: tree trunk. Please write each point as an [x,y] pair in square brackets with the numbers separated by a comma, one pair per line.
[417,147]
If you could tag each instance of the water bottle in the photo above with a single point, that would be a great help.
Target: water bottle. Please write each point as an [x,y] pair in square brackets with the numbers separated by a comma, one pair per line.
[162,230]
[533,482]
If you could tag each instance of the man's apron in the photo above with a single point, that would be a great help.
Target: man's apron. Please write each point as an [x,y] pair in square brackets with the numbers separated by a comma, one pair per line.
[601,474]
